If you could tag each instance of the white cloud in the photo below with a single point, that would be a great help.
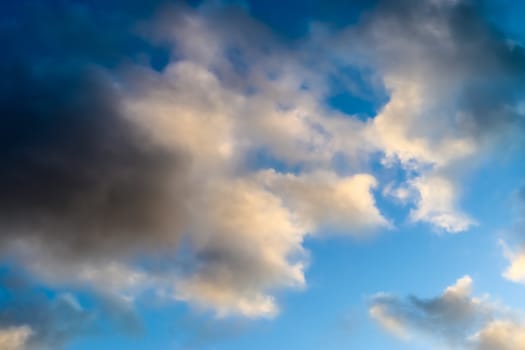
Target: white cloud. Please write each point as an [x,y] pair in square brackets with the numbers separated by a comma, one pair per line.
[343,204]
[245,243]
[400,131]
[436,204]
[516,270]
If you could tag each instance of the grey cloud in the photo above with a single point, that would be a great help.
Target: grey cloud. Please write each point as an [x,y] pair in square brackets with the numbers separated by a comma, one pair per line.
[80,184]
[75,174]
[454,319]
[449,320]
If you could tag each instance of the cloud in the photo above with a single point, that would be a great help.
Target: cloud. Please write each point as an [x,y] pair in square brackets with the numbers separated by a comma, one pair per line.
[14,338]
[449,315]
[438,207]
[454,319]
[246,244]
[513,243]
[432,122]
[199,178]
[516,270]
[248,221]
[380,313]
[500,335]
[250,243]
[105,167]
[455,86]
[343,204]
[78,177]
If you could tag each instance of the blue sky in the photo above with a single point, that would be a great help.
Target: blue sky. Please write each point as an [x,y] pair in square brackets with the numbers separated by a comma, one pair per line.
[262,175]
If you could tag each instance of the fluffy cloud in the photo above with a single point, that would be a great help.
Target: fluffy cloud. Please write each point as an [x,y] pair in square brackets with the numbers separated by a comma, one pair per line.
[324,199]
[516,270]
[454,319]
[252,242]
[500,335]
[438,206]
[247,243]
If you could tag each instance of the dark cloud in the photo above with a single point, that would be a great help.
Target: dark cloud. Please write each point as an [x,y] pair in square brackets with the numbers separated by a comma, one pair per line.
[78,181]
[75,175]
[74,172]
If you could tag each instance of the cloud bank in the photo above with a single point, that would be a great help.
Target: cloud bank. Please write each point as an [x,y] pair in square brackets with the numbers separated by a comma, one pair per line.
[185,157]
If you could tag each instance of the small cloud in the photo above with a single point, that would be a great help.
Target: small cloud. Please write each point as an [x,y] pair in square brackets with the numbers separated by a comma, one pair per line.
[450,318]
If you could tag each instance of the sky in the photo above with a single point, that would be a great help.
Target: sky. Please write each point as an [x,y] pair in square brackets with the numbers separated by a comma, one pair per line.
[249,174]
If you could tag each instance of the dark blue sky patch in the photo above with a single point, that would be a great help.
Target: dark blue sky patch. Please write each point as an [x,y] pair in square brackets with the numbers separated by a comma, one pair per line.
[352,93]
[263,158]
[159,58]
[292,18]
[94,32]
[352,105]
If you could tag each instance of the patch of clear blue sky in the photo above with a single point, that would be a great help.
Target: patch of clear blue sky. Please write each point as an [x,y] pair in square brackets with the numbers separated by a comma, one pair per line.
[351,93]
[332,312]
